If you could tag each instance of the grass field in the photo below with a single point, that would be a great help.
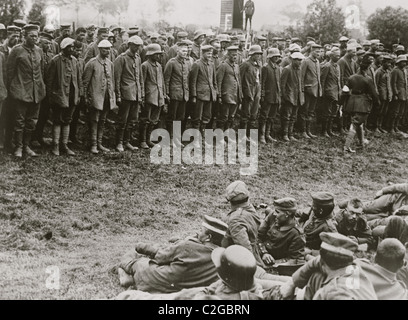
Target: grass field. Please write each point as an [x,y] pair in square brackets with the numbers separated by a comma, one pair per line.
[81,214]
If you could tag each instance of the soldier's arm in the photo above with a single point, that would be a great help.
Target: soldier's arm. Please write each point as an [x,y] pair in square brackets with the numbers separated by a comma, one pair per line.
[297,247]
[214,80]
[167,255]
[86,78]
[396,188]
[303,70]
[263,81]
[301,276]
[4,68]
[220,78]
[144,79]
[323,75]
[118,75]
[79,77]
[141,82]
[168,70]
[12,66]
[239,234]
[50,75]
[284,80]
[394,75]
[193,80]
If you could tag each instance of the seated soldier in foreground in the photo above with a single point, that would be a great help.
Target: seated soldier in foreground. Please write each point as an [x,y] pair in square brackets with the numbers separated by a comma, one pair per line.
[319,219]
[236,268]
[280,236]
[186,264]
[334,275]
[352,223]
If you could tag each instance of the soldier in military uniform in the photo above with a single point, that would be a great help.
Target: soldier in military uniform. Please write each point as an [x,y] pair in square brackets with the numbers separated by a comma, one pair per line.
[280,236]
[352,223]
[199,37]
[249,9]
[90,33]
[319,219]
[133,31]
[65,30]
[383,81]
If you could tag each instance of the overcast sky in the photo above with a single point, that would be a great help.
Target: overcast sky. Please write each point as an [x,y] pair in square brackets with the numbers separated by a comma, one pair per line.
[208,11]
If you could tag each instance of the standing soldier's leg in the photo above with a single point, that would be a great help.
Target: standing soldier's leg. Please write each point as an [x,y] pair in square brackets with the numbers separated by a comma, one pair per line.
[285,114]
[393,115]
[197,114]
[171,116]
[326,108]
[351,134]
[292,119]
[131,121]
[101,123]
[245,115]
[123,114]
[42,120]
[66,118]
[56,129]
[73,131]
[223,115]
[269,133]
[31,118]
[303,113]
[154,120]
[334,108]
[311,116]
[255,109]
[93,128]
[263,116]
[1,126]
[179,117]
[206,117]
[9,111]
[144,122]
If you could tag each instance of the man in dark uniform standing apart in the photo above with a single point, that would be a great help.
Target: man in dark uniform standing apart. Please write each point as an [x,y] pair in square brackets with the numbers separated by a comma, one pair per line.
[249,9]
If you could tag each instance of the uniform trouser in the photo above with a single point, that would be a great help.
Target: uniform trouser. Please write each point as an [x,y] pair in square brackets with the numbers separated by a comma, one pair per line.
[201,113]
[26,117]
[248,17]
[397,109]
[268,112]
[250,108]
[226,115]
[177,111]
[289,115]
[7,118]
[404,119]
[75,118]
[383,204]
[62,116]
[308,111]
[329,109]
[97,119]
[150,114]
[1,123]
[43,116]
[356,127]
[188,113]
[128,115]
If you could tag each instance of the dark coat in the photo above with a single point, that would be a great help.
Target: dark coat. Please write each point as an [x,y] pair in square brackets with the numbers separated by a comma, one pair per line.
[3,77]
[399,83]
[250,78]
[62,72]
[330,79]
[383,81]
[314,226]
[176,78]
[285,242]
[128,70]
[229,83]
[203,81]
[363,94]
[25,70]
[270,83]
[347,69]
[154,86]
[310,77]
[291,86]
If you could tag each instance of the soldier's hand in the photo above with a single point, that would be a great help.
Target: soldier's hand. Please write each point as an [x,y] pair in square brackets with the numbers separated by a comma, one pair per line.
[287,290]
[220,100]
[118,101]
[268,259]
[194,100]
[395,97]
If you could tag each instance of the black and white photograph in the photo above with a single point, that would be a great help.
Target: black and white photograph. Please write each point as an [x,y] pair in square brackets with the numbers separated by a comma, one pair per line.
[230,150]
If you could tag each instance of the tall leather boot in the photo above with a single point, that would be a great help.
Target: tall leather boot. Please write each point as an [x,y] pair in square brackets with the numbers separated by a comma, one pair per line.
[308,130]
[94,137]
[330,128]
[126,141]
[291,125]
[396,125]
[262,129]
[341,125]
[142,136]
[120,131]
[18,142]
[285,131]
[26,144]
[324,128]
[268,131]
[101,128]
[303,129]
[56,134]
[64,140]
[379,125]
[244,126]
[349,139]
[149,130]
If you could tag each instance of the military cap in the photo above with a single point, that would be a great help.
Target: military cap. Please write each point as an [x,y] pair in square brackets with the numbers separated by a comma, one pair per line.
[285,204]
[273,52]
[338,244]
[90,27]
[198,34]
[343,39]
[400,48]
[261,38]
[336,45]
[366,43]
[375,41]
[169,36]
[38,23]
[13,29]
[297,56]
[115,27]
[241,37]
[182,34]
[387,57]
[103,30]
[65,26]
[295,40]
[154,35]
[215,225]
[321,199]
[351,46]
[136,40]
[234,38]
[232,48]
[358,46]
[255,49]
[315,45]
[401,58]
[214,40]
[46,36]
[276,39]
[31,27]
[334,50]
[134,28]
[216,45]
[352,208]
[132,32]
[66,42]
[49,28]
[152,49]
[104,44]
[294,47]
[381,44]
[206,47]
[310,43]
[182,43]
[237,191]
[360,52]
[2,26]
[223,38]
[189,42]
[111,35]
[310,39]
[19,23]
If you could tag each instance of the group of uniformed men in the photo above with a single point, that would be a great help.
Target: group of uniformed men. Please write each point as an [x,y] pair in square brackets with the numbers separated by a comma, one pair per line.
[207,81]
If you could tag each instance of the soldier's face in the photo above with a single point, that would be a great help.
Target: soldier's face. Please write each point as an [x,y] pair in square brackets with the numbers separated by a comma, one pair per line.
[69,50]
[233,56]
[200,39]
[335,57]
[31,38]
[386,64]
[235,43]
[262,44]
[13,39]
[45,45]
[111,40]
[90,33]
[134,48]
[296,63]
[207,55]
[281,218]
[65,33]
[81,36]
[157,57]
[104,52]
[77,52]
[257,57]
[183,51]
[351,53]
[350,216]
[103,36]
[315,53]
